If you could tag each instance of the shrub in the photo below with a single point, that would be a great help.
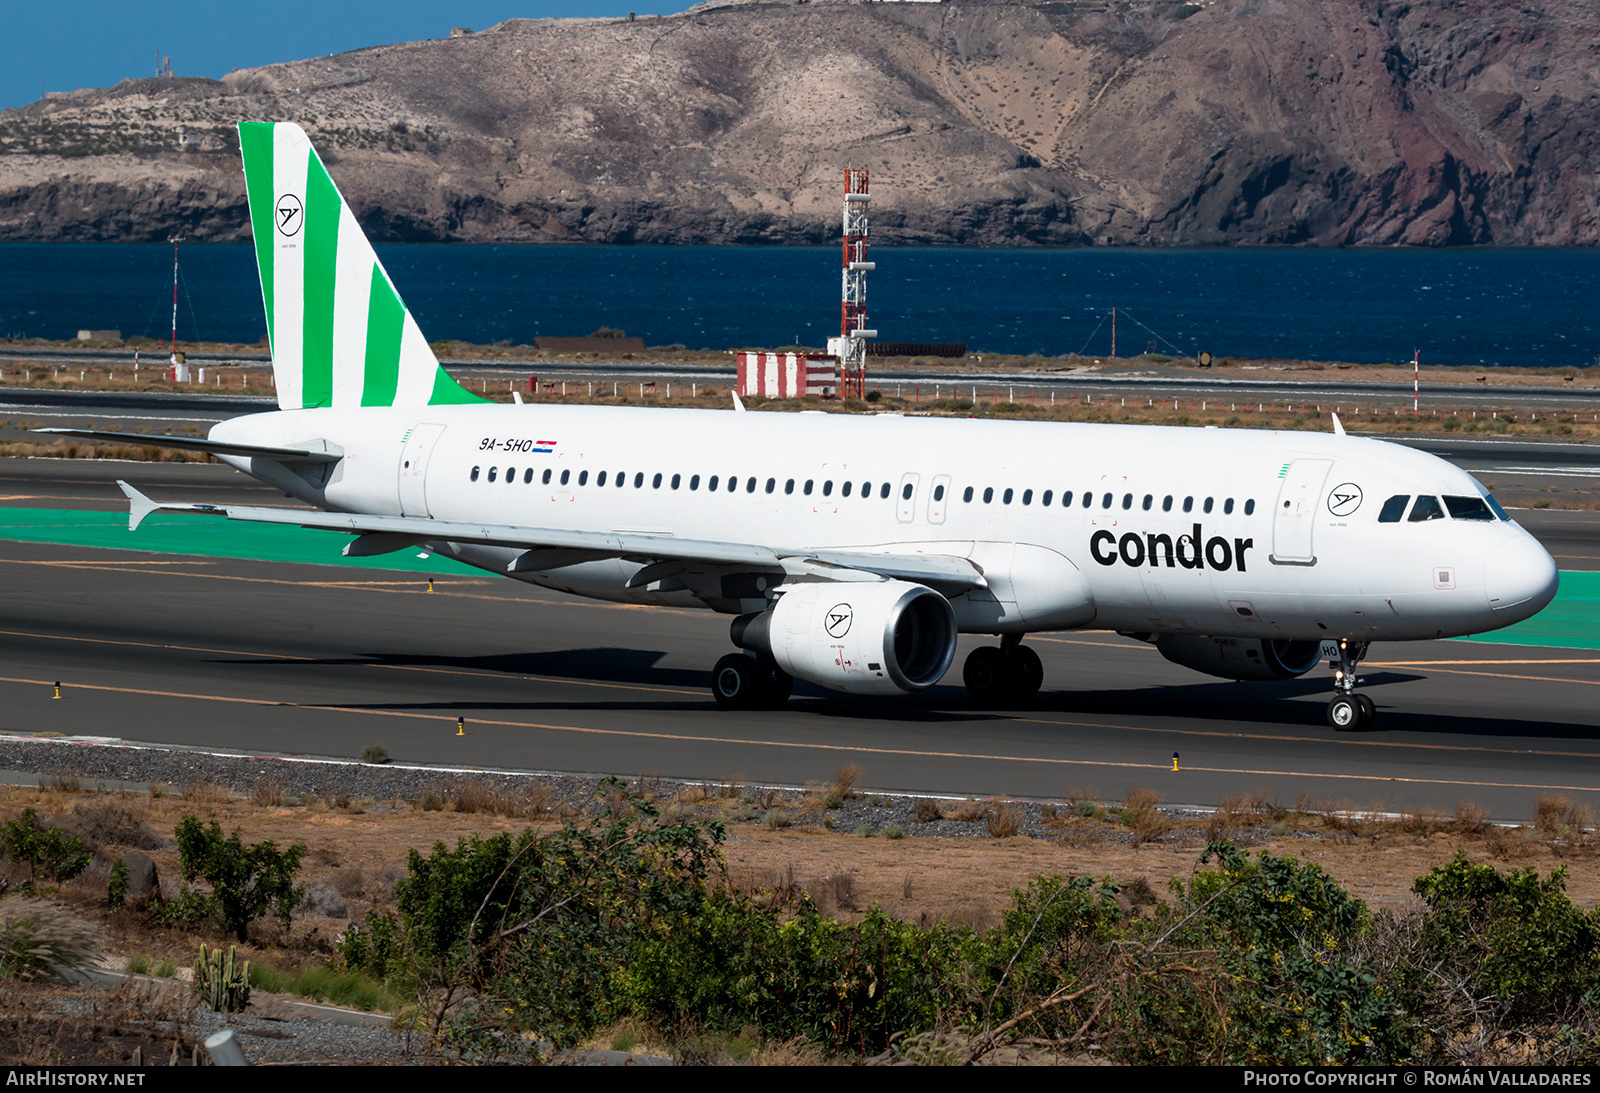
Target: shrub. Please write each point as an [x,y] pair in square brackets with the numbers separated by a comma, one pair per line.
[49,851]
[38,938]
[374,753]
[117,886]
[247,882]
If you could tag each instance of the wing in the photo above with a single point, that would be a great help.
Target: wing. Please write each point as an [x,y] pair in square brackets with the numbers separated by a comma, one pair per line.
[382,534]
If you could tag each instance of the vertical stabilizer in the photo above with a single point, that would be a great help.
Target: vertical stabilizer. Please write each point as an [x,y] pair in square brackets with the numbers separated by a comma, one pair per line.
[340,334]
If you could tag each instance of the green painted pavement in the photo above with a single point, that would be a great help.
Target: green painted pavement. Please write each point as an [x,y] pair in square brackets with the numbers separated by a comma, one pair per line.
[1571,622]
[210,536]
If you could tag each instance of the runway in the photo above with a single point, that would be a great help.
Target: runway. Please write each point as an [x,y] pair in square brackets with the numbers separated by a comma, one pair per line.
[287,658]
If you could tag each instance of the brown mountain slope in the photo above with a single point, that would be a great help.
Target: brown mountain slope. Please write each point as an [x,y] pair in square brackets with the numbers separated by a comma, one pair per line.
[1258,121]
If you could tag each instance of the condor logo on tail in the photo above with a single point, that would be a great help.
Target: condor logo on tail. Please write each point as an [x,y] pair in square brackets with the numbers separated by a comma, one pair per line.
[1187,553]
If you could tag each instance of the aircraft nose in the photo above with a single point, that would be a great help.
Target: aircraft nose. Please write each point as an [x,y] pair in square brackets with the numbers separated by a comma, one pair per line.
[1520,577]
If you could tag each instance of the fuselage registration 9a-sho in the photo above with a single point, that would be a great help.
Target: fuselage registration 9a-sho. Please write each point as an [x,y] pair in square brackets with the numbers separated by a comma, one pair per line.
[851,550]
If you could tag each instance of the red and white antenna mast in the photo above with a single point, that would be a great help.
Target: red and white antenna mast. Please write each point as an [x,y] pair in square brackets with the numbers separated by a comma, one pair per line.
[851,347]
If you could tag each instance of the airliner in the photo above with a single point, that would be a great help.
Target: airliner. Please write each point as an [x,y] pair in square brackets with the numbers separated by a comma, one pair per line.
[850,550]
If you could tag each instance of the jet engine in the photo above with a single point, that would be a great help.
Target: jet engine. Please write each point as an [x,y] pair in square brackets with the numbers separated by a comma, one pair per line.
[878,637]
[1240,658]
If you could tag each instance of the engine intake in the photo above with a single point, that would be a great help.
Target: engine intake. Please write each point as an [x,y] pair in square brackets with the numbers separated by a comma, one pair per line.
[879,637]
[1240,658]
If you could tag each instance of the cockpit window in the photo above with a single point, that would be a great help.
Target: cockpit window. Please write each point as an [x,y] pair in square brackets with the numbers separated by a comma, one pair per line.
[1394,508]
[1468,508]
[1495,505]
[1426,508]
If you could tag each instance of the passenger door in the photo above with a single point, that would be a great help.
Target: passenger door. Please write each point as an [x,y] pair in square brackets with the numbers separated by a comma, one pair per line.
[415,454]
[1294,518]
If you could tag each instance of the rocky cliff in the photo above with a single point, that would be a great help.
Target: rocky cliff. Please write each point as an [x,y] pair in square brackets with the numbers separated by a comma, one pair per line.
[988,122]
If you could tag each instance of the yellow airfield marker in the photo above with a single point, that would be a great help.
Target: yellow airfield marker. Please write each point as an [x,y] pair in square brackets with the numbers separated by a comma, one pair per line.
[58,690]
[1174,762]
[430,584]
[461,726]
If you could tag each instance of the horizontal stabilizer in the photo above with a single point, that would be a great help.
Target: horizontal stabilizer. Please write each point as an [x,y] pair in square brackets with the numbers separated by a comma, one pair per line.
[195,444]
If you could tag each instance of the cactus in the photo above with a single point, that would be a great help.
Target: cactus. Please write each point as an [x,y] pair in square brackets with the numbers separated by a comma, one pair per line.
[221,984]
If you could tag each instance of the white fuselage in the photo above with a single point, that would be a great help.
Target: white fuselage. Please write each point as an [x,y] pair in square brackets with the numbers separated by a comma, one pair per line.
[1201,531]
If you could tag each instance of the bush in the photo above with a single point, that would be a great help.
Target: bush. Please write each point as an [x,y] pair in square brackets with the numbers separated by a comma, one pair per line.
[247,882]
[374,753]
[117,886]
[49,851]
[37,939]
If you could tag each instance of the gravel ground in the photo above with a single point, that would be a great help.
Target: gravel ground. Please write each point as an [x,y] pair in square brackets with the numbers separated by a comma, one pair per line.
[114,765]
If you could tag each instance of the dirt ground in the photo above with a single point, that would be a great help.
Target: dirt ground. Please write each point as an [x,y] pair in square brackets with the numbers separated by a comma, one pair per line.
[360,851]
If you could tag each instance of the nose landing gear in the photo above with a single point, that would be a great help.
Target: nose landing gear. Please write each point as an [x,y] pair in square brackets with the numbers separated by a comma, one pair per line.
[1349,712]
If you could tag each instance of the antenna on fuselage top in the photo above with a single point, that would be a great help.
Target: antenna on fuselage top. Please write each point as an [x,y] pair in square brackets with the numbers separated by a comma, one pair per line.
[737,405]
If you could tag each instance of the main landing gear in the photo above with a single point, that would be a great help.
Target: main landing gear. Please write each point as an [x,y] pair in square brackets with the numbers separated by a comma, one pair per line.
[1349,712]
[742,681]
[1006,673]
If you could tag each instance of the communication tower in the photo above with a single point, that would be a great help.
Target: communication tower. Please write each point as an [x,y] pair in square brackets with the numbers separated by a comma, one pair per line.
[851,346]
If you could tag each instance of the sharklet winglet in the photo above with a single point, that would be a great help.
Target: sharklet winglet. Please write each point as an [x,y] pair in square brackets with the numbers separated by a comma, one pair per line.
[1338,426]
[139,506]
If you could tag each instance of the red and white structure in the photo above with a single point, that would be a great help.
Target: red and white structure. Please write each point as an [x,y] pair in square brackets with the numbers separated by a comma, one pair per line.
[785,375]
[850,347]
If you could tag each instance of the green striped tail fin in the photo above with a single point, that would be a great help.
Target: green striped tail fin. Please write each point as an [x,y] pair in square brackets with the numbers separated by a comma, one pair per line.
[340,334]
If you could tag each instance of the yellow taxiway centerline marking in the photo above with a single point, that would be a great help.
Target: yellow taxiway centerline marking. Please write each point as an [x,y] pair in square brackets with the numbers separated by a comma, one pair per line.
[799,746]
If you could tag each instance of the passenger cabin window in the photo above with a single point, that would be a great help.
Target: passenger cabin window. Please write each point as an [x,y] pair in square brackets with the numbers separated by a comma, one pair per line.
[1426,508]
[788,487]
[750,485]
[905,491]
[655,483]
[475,474]
[511,475]
[492,472]
[827,488]
[1148,501]
[866,490]
[1044,498]
[1027,497]
[1394,508]
[938,492]
[1207,506]
[1468,508]
[806,489]
[601,480]
[676,479]
[638,480]
[883,492]
[583,478]
[966,494]
[1166,503]
[694,482]
[772,484]
[844,490]
[988,491]
[1127,501]
[1188,504]
[1105,502]
[1005,498]
[565,475]
[1066,499]
[1250,507]
[1227,507]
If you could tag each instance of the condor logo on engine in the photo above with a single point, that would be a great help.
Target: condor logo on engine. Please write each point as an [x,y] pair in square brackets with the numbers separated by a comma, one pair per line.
[837,621]
[1187,553]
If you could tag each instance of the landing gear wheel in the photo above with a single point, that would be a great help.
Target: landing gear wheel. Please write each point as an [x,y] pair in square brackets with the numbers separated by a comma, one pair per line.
[775,686]
[988,674]
[1369,711]
[1347,713]
[1027,673]
[734,682]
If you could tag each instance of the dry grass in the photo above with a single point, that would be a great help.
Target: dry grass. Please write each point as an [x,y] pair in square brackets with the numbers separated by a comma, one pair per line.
[1003,819]
[1557,818]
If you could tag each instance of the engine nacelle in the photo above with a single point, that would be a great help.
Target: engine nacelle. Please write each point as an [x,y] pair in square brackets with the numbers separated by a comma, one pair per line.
[1241,658]
[865,638]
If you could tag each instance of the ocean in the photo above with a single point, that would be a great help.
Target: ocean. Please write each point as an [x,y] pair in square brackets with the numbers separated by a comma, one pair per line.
[1470,307]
